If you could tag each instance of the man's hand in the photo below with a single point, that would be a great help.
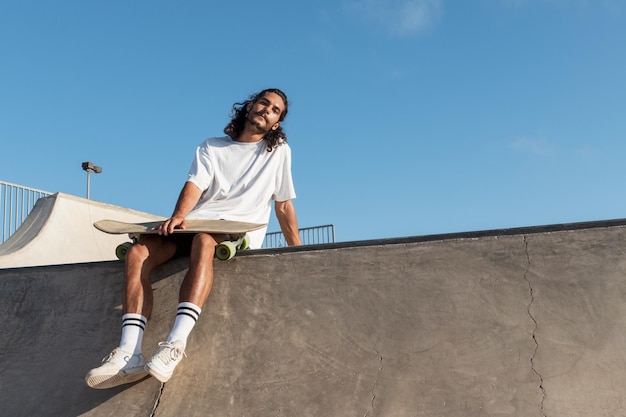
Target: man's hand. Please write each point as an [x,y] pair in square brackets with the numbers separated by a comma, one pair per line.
[168,226]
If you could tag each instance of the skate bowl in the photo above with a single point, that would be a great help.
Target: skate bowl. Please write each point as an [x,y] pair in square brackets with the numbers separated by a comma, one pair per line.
[515,322]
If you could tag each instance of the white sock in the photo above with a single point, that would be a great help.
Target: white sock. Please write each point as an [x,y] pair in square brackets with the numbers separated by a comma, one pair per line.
[133,326]
[186,318]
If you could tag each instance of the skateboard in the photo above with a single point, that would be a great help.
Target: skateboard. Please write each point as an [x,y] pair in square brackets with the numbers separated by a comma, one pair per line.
[236,231]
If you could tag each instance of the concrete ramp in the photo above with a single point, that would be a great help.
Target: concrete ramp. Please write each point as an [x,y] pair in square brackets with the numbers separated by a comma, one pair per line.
[59,231]
[524,322]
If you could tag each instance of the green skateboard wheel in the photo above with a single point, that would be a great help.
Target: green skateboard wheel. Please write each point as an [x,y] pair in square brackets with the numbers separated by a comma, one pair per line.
[245,244]
[225,250]
[122,249]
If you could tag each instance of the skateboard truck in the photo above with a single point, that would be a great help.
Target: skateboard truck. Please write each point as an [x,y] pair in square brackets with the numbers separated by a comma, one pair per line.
[229,248]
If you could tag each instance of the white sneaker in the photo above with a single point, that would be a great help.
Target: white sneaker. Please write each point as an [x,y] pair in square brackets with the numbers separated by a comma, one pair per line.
[117,368]
[164,361]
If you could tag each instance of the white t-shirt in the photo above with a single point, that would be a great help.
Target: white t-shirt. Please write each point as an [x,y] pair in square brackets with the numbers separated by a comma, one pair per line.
[239,181]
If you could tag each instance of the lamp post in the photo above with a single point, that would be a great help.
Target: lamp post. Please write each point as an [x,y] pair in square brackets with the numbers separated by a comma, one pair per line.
[90,167]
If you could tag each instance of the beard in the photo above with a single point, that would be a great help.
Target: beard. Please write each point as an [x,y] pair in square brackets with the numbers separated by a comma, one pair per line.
[257,125]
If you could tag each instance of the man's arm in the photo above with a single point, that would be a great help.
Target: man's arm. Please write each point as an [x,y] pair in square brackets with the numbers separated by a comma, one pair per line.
[286,215]
[188,198]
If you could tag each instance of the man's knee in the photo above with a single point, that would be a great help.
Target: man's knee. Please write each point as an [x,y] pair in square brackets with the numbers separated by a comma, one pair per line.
[204,239]
[137,251]
[205,243]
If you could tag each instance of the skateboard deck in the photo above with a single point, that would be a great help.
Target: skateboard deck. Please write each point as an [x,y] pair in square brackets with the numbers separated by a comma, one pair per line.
[238,239]
[193,226]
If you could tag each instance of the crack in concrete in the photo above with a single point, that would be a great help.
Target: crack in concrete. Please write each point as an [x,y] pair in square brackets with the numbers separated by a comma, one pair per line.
[536,325]
[380,372]
[158,400]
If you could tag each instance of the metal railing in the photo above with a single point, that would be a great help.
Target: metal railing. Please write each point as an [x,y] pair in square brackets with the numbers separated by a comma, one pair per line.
[16,202]
[309,236]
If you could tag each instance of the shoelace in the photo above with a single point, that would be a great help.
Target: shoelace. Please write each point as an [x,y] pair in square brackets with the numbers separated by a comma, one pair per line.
[108,357]
[113,353]
[169,353]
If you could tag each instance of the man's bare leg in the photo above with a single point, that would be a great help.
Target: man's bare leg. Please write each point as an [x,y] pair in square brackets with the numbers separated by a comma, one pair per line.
[141,259]
[199,279]
[194,292]
[126,364]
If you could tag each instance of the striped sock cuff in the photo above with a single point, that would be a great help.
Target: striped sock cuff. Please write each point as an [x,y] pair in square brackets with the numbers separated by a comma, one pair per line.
[189,309]
[132,319]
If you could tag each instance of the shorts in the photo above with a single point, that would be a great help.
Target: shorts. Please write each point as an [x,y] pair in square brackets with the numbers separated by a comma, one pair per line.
[183,243]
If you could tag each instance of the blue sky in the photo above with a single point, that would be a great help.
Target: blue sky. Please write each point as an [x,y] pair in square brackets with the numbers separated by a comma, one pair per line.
[407,117]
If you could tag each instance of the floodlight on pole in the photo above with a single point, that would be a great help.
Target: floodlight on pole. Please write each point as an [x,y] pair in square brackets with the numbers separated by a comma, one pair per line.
[90,167]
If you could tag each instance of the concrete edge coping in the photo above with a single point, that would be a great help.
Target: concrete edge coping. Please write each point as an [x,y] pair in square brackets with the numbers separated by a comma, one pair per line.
[528,230]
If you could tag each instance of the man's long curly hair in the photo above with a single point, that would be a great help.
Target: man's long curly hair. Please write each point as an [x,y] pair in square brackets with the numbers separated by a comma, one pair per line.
[273,138]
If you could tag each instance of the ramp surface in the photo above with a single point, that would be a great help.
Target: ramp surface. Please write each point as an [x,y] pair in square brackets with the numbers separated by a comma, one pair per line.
[59,230]
[507,323]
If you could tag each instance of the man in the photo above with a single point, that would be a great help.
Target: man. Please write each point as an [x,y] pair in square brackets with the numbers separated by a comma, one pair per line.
[235,177]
